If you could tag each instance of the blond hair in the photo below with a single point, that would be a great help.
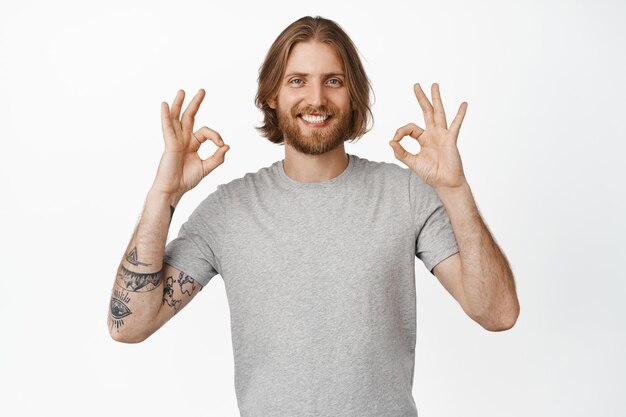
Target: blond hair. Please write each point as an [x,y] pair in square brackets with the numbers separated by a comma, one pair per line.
[273,68]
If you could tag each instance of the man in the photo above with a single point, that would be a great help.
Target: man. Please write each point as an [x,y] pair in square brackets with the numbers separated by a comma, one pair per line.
[316,251]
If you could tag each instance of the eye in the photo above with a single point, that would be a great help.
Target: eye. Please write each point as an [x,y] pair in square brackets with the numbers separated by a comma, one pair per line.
[296,81]
[335,81]
[119,309]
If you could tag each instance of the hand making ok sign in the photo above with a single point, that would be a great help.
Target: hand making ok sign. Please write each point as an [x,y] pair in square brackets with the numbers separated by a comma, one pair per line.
[181,167]
[438,162]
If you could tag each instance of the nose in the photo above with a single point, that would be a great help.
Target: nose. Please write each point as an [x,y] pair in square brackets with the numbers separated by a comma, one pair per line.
[316,95]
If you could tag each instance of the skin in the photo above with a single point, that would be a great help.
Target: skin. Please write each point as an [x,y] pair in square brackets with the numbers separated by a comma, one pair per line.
[319,83]
[181,167]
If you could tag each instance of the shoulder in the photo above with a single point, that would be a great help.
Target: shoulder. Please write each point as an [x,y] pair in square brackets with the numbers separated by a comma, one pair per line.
[385,172]
[239,189]
[398,174]
[233,194]
[402,179]
[249,180]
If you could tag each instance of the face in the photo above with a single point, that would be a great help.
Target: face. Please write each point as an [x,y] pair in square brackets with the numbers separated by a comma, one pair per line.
[313,103]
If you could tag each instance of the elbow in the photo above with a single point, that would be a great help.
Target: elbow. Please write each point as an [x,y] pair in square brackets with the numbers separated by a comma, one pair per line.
[123,337]
[502,322]
[501,316]
[498,327]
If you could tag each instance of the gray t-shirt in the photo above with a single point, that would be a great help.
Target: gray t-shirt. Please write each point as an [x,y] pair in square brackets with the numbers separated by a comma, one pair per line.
[320,281]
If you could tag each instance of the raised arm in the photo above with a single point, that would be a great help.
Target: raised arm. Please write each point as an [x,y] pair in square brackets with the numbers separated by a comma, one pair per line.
[479,276]
[146,292]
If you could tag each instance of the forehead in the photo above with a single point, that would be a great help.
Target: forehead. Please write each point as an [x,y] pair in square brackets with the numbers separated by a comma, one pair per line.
[314,57]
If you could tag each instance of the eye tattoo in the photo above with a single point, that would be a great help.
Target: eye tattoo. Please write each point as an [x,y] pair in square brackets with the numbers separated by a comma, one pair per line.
[119,309]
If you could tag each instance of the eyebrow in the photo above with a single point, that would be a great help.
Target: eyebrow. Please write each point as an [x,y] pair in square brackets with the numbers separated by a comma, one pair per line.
[325,75]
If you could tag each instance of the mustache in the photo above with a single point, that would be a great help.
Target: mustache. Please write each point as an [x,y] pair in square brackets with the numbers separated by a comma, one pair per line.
[307,110]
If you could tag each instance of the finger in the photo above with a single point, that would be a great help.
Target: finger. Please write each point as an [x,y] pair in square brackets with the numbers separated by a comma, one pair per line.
[191,110]
[214,160]
[205,133]
[440,114]
[177,104]
[175,110]
[412,130]
[166,122]
[427,108]
[400,153]
[455,127]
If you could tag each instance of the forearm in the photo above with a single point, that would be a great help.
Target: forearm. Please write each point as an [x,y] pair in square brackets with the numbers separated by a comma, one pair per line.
[138,287]
[487,278]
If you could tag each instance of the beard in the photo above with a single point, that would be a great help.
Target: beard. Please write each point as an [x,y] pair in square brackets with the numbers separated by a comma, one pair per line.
[315,141]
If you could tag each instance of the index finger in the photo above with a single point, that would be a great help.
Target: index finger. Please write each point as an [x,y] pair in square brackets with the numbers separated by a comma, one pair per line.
[191,110]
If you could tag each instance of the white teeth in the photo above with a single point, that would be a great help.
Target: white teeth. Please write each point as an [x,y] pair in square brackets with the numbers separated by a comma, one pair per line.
[314,119]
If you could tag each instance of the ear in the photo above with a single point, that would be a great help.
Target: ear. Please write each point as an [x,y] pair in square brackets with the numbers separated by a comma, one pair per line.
[272,103]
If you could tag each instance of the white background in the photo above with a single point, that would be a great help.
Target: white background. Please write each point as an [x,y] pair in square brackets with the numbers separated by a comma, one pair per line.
[542,145]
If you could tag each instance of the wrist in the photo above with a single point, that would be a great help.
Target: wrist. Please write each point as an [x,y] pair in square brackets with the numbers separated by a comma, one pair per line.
[454,198]
[462,188]
[160,197]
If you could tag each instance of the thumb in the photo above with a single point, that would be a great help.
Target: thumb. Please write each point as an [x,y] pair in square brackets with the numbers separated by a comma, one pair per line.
[214,160]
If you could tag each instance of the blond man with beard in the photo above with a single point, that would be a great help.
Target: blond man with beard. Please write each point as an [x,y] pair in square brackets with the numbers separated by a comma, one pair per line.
[317,251]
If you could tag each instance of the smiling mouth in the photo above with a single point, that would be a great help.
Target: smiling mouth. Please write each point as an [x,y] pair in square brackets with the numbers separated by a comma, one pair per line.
[315,120]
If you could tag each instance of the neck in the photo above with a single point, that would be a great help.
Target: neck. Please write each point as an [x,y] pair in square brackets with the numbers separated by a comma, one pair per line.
[314,168]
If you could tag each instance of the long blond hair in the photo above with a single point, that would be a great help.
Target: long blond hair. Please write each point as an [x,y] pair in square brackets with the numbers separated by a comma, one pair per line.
[272,70]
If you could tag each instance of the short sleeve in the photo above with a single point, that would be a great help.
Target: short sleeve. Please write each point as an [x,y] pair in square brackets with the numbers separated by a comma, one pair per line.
[435,240]
[196,250]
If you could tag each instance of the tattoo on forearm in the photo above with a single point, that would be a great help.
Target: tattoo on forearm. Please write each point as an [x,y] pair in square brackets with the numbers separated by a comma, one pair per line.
[187,284]
[139,282]
[132,258]
[168,294]
[119,308]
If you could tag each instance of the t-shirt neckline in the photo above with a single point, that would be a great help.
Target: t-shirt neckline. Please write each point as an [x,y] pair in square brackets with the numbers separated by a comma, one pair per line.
[315,185]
